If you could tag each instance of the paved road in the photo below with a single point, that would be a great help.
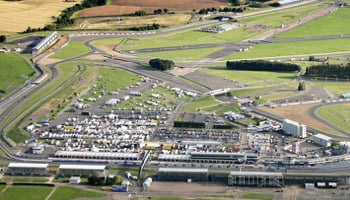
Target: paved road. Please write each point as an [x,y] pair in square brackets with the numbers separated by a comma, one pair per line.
[312,113]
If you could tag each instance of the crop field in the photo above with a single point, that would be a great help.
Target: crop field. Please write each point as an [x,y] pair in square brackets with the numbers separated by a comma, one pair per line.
[26,193]
[338,115]
[33,13]
[207,101]
[66,193]
[335,23]
[252,78]
[127,22]
[257,196]
[123,7]
[74,48]
[293,48]
[182,55]
[14,72]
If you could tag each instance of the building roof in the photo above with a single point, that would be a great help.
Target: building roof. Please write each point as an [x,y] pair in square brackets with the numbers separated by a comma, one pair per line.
[255,173]
[346,95]
[174,157]
[83,167]
[28,165]
[323,137]
[183,170]
[43,41]
[97,154]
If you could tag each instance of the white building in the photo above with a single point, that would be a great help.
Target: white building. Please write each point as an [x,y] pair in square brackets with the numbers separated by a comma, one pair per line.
[45,43]
[322,140]
[74,180]
[27,169]
[294,128]
[295,147]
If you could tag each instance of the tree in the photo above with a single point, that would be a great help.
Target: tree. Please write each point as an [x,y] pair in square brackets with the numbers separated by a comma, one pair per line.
[165,10]
[94,180]
[2,38]
[301,86]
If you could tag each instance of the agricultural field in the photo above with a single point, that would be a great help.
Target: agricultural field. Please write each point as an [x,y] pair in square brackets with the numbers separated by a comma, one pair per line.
[257,196]
[336,114]
[123,7]
[33,13]
[335,23]
[182,55]
[293,49]
[15,71]
[74,48]
[26,193]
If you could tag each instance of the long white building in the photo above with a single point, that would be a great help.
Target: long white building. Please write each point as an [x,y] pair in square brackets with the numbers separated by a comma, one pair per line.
[294,128]
[45,43]
[322,140]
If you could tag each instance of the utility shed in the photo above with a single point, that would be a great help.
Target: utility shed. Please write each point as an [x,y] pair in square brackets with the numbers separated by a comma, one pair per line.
[27,169]
[255,178]
[82,170]
[182,174]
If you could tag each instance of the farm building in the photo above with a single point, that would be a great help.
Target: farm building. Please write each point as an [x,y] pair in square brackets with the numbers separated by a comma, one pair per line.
[251,178]
[322,140]
[82,170]
[29,169]
[182,174]
[294,128]
[45,43]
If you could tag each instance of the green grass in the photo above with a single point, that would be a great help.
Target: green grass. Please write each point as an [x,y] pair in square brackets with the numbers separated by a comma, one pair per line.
[1,188]
[112,80]
[338,115]
[74,48]
[26,193]
[222,108]
[287,16]
[335,23]
[14,71]
[260,196]
[253,78]
[17,136]
[338,88]
[182,55]
[66,193]
[246,92]
[107,41]
[199,103]
[293,48]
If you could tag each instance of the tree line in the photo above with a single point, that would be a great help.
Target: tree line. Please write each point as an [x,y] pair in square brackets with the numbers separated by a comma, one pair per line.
[153,26]
[161,64]
[327,70]
[65,19]
[262,65]
[225,9]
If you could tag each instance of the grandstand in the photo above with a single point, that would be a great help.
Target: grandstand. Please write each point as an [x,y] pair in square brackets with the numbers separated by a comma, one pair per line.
[45,43]
[97,155]
[182,174]
[260,179]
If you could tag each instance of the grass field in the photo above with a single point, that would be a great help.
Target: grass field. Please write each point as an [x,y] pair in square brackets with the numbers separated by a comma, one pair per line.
[26,193]
[338,88]
[222,108]
[199,103]
[259,196]
[107,41]
[338,115]
[14,72]
[16,16]
[74,48]
[335,23]
[182,55]
[66,193]
[253,78]
[109,79]
[293,48]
